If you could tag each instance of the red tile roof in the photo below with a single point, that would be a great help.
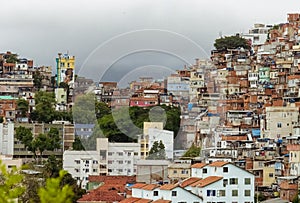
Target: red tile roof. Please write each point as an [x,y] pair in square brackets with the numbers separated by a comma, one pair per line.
[189,181]
[218,163]
[139,185]
[198,165]
[161,201]
[130,200]
[143,201]
[195,183]
[113,189]
[209,180]
[107,196]
[168,186]
[150,187]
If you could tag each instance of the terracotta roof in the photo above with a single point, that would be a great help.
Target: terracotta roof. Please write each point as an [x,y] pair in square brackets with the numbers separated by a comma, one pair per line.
[218,163]
[198,165]
[195,183]
[189,181]
[150,187]
[139,185]
[161,201]
[209,180]
[143,201]
[168,186]
[110,191]
[108,196]
[130,200]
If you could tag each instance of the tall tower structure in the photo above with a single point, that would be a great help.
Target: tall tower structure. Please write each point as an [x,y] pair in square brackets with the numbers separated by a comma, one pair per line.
[65,68]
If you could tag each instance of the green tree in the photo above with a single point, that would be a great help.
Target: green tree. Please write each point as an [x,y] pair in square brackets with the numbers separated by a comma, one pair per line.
[10,184]
[84,109]
[12,58]
[22,106]
[296,199]
[37,79]
[52,166]
[78,191]
[231,42]
[44,107]
[77,144]
[25,136]
[101,109]
[157,151]
[53,192]
[193,151]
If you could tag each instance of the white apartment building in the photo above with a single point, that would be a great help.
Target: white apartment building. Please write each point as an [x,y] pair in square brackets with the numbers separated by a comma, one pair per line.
[220,182]
[224,181]
[167,138]
[81,164]
[118,158]
[7,139]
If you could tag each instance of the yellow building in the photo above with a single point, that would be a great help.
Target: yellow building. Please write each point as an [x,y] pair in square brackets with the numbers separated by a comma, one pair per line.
[179,171]
[144,139]
[268,176]
[65,67]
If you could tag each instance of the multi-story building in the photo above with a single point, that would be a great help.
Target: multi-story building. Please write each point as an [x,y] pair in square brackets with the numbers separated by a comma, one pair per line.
[219,181]
[7,138]
[8,107]
[66,133]
[280,121]
[167,138]
[81,164]
[65,68]
[118,158]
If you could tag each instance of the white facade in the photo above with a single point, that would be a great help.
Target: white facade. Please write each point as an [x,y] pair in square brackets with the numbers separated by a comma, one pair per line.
[118,158]
[166,136]
[234,185]
[7,139]
[81,164]
[174,193]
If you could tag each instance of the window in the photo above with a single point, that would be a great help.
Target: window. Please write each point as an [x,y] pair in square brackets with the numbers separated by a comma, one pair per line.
[221,193]
[120,162]
[87,170]
[247,181]
[136,153]
[174,193]
[278,125]
[128,162]
[233,181]
[95,170]
[211,193]
[155,193]
[247,193]
[110,161]
[120,170]
[225,169]
[184,172]
[77,161]
[110,153]
[225,182]
[271,175]
[120,153]
[205,170]
[234,193]
[174,171]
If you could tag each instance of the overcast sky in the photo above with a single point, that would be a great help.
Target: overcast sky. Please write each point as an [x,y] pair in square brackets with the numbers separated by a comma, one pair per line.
[111,38]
